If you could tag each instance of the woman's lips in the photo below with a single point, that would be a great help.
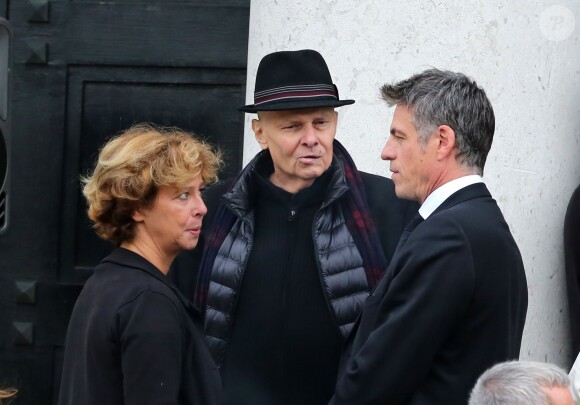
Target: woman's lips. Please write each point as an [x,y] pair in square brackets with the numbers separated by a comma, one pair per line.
[195,231]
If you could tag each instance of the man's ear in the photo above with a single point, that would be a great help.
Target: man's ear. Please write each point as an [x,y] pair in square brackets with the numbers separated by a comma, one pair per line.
[446,137]
[259,133]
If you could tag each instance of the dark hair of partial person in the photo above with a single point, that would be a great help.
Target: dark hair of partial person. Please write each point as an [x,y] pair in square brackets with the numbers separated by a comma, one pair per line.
[440,97]
[133,165]
[6,393]
[518,383]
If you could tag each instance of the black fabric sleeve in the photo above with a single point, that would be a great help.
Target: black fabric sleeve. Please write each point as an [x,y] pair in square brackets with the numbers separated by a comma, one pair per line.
[572,259]
[151,341]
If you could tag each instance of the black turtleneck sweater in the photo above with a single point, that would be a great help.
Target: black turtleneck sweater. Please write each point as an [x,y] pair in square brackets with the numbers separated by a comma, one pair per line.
[285,347]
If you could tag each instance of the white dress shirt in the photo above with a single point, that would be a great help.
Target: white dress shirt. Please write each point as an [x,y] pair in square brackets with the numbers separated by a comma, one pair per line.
[437,197]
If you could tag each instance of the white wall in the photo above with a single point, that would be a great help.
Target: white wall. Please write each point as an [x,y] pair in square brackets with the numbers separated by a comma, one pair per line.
[526,55]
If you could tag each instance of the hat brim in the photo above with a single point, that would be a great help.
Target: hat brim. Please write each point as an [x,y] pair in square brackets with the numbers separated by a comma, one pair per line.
[295,105]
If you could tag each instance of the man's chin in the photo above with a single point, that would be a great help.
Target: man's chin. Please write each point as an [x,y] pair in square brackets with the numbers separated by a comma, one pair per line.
[312,173]
[403,195]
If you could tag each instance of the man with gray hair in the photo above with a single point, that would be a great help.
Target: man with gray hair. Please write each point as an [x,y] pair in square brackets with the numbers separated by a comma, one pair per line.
[522,383]
[453,300]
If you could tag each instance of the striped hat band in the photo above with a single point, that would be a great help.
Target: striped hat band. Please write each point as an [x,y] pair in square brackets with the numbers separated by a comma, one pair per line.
[295,92]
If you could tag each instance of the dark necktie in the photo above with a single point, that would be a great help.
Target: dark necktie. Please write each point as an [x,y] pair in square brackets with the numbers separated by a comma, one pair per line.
[414,223]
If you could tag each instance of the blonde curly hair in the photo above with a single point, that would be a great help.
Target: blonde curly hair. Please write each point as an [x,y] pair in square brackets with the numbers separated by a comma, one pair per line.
[133,165]
[7,393]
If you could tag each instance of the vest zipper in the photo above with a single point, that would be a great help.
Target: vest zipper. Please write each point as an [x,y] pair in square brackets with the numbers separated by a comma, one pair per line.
[292,217]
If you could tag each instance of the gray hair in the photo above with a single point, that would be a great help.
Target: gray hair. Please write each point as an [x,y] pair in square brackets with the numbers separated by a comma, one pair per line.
[440,97]
[518,383]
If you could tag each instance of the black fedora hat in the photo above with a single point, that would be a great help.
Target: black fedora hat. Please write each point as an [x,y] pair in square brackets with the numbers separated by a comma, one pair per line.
[291,80]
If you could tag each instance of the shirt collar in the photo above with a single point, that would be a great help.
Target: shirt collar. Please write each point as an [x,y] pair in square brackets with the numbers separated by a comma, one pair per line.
[437,197]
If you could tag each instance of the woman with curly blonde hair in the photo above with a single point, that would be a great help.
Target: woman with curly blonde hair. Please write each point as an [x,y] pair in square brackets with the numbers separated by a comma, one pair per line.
[133,338]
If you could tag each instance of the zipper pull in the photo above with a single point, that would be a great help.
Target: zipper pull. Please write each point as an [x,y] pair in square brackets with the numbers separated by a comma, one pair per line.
[292,216]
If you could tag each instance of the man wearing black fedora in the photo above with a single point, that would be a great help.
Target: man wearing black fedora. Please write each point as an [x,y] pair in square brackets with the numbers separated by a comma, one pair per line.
[292,246]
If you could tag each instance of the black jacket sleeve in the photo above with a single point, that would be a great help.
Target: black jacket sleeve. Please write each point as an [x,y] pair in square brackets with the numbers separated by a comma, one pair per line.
[572,258]
[152,350]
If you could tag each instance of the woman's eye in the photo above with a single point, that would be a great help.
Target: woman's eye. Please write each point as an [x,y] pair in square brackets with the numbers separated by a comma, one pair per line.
[183,196]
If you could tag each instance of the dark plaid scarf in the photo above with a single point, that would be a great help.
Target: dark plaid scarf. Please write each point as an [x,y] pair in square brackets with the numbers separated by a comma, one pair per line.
[355,210]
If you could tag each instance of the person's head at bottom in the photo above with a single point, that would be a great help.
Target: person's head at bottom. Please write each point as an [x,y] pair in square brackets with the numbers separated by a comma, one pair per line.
[522,383]
[145,191]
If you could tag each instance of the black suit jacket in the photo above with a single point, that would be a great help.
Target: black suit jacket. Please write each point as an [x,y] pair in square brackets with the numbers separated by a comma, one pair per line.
[134,339]
[452,303]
